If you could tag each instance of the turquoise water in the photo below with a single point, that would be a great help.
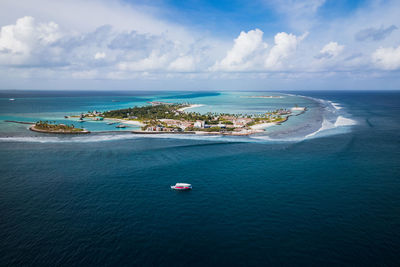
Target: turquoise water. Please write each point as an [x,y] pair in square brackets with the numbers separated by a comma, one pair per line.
[321,189]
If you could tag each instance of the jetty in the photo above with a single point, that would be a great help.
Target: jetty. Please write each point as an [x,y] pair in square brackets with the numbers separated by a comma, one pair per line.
[20,122]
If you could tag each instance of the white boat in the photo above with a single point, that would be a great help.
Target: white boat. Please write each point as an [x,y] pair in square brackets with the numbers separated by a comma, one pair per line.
[181,186]
[11,99]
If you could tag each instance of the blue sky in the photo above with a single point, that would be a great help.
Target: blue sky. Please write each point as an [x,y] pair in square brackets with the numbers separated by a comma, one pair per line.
[200,45]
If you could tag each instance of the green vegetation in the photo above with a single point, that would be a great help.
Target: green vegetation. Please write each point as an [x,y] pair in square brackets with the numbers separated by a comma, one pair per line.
[47,126]
[155,118]
[157,112]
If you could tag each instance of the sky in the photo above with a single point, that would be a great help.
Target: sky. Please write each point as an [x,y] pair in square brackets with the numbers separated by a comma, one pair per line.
[200,45]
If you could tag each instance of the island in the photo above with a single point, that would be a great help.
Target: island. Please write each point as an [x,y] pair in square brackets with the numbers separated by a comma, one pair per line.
[47,127]
[160,117]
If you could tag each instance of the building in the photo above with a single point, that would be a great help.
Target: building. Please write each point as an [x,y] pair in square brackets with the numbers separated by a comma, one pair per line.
[221,125]
[241,122]
[199,124]
[185,124]
[283,112]
[171,122]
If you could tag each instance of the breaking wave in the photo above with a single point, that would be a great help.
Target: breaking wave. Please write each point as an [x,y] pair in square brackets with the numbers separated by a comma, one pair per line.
[336,105]
[115,137]
[75,139]
[333,117]
[342,121]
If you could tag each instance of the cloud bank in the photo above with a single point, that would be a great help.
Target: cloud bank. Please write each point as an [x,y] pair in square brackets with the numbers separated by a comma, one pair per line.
[129,42]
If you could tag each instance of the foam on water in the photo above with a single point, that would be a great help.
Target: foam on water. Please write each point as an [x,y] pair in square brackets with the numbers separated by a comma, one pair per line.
[80,139]
[333,118]
[116,137]
[326,125]
[336,105]
[342,121]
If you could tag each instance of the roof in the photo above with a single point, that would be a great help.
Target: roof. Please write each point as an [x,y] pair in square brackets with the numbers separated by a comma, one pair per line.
[182,184]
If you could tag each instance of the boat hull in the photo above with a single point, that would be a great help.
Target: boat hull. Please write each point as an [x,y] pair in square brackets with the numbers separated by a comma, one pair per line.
[180,188]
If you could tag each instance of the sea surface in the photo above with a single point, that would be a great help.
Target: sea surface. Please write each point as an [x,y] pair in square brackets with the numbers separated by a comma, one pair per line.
[321,189]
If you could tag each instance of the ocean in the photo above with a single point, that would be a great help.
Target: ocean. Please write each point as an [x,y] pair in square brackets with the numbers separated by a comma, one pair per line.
[321,189]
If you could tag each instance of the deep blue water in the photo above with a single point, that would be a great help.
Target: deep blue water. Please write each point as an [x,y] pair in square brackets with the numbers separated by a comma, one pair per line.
[330,200]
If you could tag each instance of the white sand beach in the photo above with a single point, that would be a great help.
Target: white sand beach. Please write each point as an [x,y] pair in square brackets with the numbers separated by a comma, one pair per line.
[130,122]
[298,108]
[191,106]
[262,125]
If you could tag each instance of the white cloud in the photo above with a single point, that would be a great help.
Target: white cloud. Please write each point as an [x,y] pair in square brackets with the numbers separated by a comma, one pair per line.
[86,16]
[28,43]
[100,55]
[115,39]
[25,41]
[242,56]
[155,61]
[182,63]
[387,58]
[330,50]
[285,46]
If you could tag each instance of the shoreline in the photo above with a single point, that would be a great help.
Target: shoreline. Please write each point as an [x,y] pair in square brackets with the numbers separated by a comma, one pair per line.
[262,126]
[254,129]
[20,122]
[241,133]
[34,129]
[131,122]
[191,106]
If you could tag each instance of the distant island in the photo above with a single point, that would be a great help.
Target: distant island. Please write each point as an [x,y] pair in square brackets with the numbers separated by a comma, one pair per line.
[47,127]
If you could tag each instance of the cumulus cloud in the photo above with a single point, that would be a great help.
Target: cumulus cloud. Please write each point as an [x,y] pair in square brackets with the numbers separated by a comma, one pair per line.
[85,16]
[25,42]
[374,34]
[124,41]
[387,58]
[242,55]
[285,46]
[29,43]
[249,52]
[330,50]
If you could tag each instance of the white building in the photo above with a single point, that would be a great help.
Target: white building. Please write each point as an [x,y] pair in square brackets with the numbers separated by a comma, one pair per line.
[199,124]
